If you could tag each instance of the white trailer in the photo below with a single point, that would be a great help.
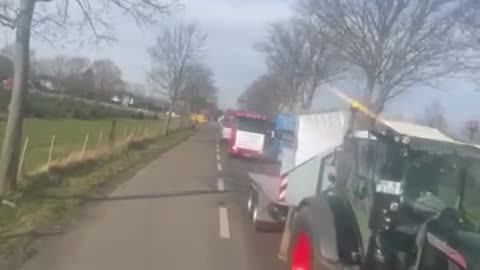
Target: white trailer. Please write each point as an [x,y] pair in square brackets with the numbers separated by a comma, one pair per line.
[305,169]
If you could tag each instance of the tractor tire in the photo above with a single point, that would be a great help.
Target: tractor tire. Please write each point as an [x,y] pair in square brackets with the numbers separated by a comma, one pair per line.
[304,248]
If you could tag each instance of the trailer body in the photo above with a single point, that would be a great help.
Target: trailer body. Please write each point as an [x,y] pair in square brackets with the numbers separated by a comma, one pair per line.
[304,168]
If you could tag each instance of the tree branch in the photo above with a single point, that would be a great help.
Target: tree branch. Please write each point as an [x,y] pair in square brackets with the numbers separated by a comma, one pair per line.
[7,21]
[90,22]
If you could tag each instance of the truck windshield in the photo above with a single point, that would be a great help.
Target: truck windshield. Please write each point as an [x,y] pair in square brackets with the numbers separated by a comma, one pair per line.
[254,125]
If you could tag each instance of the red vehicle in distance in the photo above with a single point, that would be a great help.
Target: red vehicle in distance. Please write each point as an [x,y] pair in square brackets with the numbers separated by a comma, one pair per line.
[249,134]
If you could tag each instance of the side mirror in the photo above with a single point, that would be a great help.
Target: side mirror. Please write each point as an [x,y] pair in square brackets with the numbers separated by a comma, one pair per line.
[428,204]
[331,177]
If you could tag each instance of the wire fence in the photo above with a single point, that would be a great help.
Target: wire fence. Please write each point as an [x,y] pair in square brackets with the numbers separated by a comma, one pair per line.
[48,141]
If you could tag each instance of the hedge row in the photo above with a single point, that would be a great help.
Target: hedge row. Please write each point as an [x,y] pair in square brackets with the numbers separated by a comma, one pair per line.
[39,106]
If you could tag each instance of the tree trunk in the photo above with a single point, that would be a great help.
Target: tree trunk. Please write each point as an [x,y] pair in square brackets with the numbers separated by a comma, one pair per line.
[308,100]
[166,128]
[13,132]
[368,96]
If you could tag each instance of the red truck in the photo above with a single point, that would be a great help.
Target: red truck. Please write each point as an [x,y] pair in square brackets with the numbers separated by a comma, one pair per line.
[249,134]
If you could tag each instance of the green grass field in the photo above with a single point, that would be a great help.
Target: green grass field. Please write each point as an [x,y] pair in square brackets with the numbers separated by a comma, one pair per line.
[70,134]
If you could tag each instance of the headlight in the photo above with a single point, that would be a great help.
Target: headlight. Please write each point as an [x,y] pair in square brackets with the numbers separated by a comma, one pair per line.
[394,206]
[405,140]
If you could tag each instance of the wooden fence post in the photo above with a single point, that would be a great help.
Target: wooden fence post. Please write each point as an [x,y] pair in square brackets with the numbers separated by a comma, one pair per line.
[85,142]
[50,152]
[111,136]
[100,138]
[22,159]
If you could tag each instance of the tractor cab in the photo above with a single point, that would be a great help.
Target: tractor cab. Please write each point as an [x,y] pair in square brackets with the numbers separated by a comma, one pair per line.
[415,194]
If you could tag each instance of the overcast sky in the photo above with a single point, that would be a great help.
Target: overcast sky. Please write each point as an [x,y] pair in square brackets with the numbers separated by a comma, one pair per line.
[233,26]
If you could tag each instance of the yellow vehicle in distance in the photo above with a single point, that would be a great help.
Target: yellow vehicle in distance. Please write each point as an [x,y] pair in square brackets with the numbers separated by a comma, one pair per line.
[198,118]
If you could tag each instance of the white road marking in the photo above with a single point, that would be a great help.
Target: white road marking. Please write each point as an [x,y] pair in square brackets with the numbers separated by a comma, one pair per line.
[218,150]
[220,184]
[224,224]
[219,167]
[218,157]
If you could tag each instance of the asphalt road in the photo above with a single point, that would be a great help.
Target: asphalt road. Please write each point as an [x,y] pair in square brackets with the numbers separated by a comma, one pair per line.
[170,215]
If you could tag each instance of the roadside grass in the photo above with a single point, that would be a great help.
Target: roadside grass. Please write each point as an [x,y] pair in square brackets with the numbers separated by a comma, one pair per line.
[70,135]
[48,196]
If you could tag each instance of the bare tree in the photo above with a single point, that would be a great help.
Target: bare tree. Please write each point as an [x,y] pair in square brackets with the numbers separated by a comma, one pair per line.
[468,17]
[87,88]
[434,116]
[108,78]
[263,95]
[9,51]
[395,43]
[200,89]
[76,65]
[284,51]
[50,21]
[306,60]
[321,64]
[175,49]
[6,67]
[64,70]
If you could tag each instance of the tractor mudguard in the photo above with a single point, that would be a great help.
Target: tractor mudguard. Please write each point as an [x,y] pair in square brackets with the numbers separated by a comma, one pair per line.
[337,234]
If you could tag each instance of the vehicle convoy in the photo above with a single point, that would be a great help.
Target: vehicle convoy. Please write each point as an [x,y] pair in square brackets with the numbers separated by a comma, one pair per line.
[250,133]
[225,123]
[384,195]
[298,140]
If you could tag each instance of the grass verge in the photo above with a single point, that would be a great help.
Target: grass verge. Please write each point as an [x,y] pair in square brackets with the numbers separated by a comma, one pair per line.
[50,195]
[70,135]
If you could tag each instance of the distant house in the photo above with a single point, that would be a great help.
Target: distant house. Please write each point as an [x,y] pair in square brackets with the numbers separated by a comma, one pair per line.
[123,99]
[128,101]
[7,84]
[44,83]
[116,99]
[47,84]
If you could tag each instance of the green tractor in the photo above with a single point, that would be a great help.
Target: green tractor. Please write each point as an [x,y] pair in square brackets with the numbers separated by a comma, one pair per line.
[405,196]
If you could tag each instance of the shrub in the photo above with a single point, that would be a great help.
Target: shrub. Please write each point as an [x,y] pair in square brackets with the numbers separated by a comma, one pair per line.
[42,106]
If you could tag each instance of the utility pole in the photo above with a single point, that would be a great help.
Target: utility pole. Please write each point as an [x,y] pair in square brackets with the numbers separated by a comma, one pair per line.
[13,133]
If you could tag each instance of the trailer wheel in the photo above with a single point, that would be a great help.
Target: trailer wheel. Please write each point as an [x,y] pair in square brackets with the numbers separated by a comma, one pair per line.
[256,221]
[251,201]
